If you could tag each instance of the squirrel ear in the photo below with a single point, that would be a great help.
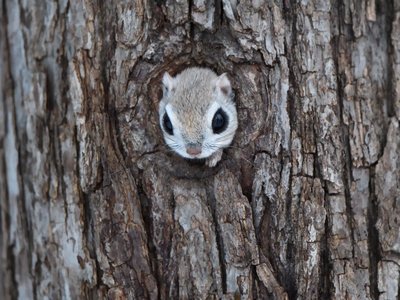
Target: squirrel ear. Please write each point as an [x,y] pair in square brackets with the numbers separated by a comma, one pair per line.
[223,85]
[168,82]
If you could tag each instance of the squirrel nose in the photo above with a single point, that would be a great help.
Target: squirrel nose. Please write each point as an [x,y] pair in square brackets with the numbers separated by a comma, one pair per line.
[193,149]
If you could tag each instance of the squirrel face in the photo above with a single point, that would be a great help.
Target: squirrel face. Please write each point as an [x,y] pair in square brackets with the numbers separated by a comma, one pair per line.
[197,114]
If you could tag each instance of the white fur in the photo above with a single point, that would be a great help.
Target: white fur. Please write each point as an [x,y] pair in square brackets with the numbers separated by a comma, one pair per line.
[168,82]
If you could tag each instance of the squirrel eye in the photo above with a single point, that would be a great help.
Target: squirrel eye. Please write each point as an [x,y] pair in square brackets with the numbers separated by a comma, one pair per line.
[220,121]
[167,124]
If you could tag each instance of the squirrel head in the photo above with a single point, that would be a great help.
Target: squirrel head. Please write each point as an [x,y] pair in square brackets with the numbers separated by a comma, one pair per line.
[197,114]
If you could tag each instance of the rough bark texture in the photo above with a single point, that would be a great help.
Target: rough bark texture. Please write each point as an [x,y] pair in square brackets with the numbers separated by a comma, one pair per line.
[304,205]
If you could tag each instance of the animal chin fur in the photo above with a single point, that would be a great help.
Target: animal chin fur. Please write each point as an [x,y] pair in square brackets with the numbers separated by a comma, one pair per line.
[191,100]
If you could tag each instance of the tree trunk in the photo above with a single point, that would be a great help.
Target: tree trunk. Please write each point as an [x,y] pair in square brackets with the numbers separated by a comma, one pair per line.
[304,205]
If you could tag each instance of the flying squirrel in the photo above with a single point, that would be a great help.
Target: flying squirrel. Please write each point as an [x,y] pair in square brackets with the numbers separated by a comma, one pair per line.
[197,114]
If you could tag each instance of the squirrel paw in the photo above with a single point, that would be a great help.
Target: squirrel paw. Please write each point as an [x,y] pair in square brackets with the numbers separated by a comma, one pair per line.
[214,158]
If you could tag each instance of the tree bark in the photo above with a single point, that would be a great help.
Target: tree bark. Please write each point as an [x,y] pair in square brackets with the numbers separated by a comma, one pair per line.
[304,205]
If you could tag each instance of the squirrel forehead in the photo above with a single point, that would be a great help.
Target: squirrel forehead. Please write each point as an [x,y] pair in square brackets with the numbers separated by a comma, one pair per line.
[191,117]
[194,93]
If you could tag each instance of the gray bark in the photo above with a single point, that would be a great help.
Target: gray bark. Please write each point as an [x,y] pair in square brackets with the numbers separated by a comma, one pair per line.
[304,205]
